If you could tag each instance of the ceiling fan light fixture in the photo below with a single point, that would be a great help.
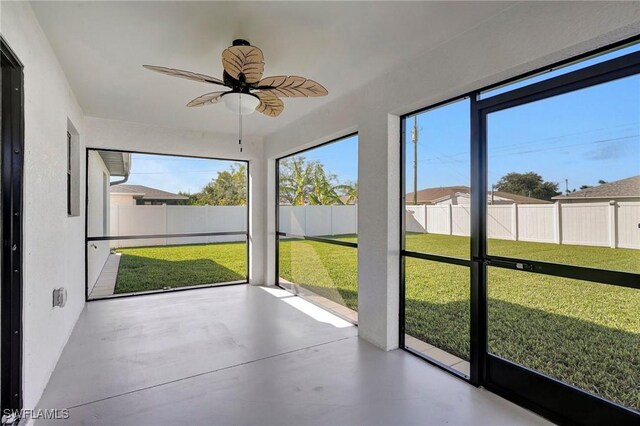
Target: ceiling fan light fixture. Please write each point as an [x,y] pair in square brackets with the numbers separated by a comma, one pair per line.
[242,103]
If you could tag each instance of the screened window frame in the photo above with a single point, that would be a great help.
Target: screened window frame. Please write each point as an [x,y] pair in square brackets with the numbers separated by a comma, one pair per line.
[89,239]
[279,234]
[576,405]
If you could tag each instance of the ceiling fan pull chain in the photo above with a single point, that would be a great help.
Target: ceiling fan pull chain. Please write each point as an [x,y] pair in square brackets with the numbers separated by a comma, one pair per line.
[240,122]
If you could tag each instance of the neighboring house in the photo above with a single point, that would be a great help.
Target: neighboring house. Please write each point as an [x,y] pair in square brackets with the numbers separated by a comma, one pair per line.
[143,195]
[621,190]
[346,201]
[459,195]
[102,166]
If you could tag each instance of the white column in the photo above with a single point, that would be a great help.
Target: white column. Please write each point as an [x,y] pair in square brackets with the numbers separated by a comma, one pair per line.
[378,230]
[257,220]
[270,214]
[613,224]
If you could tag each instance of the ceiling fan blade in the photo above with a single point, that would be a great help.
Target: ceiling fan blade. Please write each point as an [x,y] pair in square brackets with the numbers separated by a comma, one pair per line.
[185,74]
[270,104]
[206,99]
[245,61]
[292,86]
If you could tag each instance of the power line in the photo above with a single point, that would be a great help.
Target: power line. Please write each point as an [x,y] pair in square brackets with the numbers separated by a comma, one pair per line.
[176,172]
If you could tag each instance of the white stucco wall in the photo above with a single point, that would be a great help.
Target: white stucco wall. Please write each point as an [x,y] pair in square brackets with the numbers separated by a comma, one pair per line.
[522,38]
[53,243]
[101,133]
[97,251]
[121,200]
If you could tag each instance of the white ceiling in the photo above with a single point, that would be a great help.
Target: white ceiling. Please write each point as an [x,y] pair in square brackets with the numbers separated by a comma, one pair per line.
[102,46]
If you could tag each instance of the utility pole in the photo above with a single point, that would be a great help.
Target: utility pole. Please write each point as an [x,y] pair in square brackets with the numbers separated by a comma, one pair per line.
[414,136]
[566,186]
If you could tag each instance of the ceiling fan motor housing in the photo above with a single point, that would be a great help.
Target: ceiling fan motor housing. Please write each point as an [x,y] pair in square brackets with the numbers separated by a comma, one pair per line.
[240,42]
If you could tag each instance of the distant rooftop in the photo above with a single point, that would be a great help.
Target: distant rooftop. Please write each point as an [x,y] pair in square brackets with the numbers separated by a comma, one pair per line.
[145,193]
[629,187]
[431,195]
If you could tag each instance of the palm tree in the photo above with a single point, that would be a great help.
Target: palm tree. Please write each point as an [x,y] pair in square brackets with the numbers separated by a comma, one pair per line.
[295,185]
[350,191]
[323,190]
[306,182]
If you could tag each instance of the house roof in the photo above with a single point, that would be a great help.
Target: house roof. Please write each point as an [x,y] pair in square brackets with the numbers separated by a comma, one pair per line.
[146,193]
[431,195]
[118,163]
[629,187]
[428,195]
[345,200]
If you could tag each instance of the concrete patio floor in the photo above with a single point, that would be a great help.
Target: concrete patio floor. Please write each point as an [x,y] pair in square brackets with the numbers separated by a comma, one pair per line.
[350,315]
[249,355]
[106,283]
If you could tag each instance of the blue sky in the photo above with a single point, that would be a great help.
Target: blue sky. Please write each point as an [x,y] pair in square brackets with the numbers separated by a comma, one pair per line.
[174,174]
[583,136]
[339,158]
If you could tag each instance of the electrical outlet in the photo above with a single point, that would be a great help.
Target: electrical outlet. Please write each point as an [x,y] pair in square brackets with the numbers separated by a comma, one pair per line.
[59,297]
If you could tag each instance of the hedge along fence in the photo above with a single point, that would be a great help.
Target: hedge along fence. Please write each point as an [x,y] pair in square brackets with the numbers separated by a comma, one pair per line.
[606,224]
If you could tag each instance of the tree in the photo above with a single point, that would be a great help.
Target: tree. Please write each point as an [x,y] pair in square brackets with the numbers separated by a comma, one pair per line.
[323,189]
[295,181]
[304,182]
[528,184]
[192,201]
[229,188]
[349,192]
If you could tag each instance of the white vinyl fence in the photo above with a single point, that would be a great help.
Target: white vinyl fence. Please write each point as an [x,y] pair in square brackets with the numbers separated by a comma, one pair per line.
[149,220]
[319,220]
[607,224]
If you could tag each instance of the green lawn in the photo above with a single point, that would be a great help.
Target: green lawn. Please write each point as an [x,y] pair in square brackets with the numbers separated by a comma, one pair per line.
[583,333]
[158,267]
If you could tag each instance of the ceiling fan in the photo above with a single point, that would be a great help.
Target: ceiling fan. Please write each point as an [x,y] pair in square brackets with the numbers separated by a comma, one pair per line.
[243,67]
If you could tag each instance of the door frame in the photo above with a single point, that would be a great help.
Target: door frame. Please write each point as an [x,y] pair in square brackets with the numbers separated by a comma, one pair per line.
[12,209]
[551,398]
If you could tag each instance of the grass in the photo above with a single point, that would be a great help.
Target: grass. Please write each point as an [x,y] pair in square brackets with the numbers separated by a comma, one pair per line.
[583,333]
[158,267]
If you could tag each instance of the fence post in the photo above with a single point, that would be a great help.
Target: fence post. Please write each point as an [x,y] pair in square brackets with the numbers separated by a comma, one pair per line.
[116,231]
[424,218]
[613,224]
[333,232]
[557,221]
[166,223]
[514,222]
[450,215]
